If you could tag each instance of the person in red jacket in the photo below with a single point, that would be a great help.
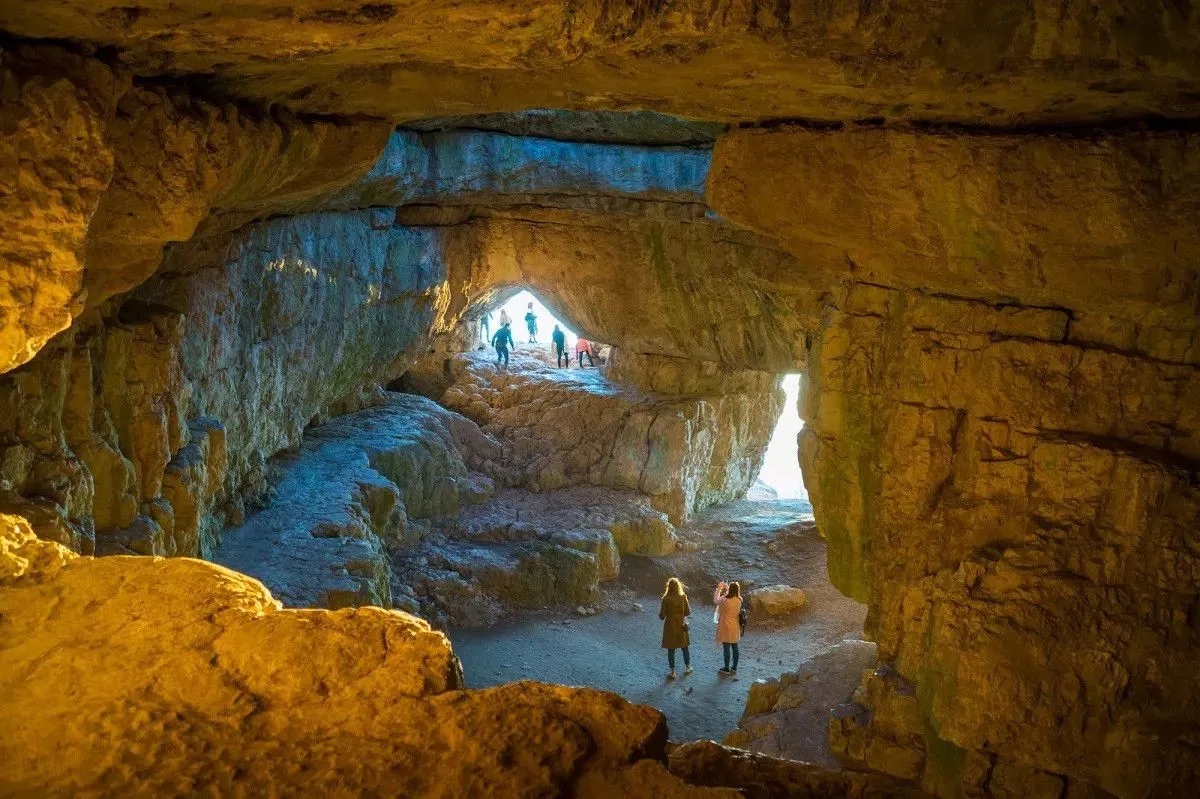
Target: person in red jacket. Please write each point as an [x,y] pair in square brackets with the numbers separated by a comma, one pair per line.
[584,347]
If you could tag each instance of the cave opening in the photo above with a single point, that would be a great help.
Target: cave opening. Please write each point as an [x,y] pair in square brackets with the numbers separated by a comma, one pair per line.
[780,476]
[526,301]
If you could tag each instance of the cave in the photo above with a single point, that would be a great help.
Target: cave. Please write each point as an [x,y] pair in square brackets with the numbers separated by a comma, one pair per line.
[257,472]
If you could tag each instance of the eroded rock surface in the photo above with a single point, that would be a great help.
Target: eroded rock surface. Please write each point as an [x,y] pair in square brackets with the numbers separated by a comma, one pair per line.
[762,777]
[572,427]
[1051,473]
[523,550]
[789,716]
[188,677]
[354,488]
[998,63]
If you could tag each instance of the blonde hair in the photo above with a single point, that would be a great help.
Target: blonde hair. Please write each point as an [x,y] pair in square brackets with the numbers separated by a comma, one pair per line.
[674,586]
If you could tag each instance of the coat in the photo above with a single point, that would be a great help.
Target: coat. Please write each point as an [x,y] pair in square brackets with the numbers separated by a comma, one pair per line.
[503,338]
[729,630]
[672,611]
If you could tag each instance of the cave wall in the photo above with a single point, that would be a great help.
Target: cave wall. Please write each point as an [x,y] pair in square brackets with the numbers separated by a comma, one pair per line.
[1001,442]
[151,425]
[151,419]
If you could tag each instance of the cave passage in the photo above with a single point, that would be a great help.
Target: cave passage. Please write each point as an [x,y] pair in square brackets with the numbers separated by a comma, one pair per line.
[781,469]
[517,306]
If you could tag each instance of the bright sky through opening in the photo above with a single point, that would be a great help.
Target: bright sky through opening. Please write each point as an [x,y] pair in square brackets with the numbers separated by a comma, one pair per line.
[781,467]
[517,307]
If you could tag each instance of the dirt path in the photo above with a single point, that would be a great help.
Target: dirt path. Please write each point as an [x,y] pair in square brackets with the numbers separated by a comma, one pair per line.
[759,543]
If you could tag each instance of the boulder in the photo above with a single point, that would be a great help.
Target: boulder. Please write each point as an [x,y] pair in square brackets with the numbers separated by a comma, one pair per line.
[776,600]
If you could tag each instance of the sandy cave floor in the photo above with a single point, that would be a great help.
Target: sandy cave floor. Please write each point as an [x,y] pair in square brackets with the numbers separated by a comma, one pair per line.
[758,543]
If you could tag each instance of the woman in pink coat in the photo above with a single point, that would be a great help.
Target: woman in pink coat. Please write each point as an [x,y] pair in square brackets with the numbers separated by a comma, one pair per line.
[728,599]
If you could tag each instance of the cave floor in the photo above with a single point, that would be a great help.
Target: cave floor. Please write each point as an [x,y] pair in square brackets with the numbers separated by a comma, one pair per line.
[758,543]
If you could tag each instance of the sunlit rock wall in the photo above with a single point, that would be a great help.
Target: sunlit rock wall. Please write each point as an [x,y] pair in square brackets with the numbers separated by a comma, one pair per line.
[1003,62]
[1002,447]
[692,289]
[1058,482]
[186,676]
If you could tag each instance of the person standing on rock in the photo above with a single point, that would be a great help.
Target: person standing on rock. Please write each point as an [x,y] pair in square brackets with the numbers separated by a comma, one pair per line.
[502,341]
[674,611]
[728,599]
[505,319]
[584,347]
[561,359]
[531,323]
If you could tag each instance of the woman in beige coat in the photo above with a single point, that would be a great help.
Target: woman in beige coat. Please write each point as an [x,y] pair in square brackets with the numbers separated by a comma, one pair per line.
[674,611]
[728,599]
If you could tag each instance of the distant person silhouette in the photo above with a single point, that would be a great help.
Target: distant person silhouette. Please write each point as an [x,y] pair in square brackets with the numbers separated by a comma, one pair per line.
[674,611]
[505,319]
[561,358]
[584,347]
[485,325]
[728,599]
[531,323]
[502,341]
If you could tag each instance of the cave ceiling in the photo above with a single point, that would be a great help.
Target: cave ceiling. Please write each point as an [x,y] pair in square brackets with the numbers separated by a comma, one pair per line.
[995,63]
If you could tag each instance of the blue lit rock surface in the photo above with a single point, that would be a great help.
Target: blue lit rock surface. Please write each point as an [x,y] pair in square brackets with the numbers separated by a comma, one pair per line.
[352,490]
[465,166]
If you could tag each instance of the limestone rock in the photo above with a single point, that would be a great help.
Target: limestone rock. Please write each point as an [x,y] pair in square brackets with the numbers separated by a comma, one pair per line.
[351,488]
[564,428]
[987,216]
[56,165]
[762,777]
[523,550]
[197,668]
[776,600]
[637,297]
[789,717]
[470,167]
[611,127]
[1020,454]
[998,63]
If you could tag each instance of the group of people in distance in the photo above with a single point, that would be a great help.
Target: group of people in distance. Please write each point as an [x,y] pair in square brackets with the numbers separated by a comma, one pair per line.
[503,340]
[731,623]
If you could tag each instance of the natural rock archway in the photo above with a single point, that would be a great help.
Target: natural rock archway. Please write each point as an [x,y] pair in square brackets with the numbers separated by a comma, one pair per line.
[976,236]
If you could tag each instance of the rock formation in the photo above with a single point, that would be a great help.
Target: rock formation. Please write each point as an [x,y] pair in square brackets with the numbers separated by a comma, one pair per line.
[686,445]
[188,677]
[972,225]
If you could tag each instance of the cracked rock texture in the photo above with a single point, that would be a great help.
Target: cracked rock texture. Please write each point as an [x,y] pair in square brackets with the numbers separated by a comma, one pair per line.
[788,717]
[1058,480]
[573,427]
[526,550]
[354,488]
[195,680]
[998,63]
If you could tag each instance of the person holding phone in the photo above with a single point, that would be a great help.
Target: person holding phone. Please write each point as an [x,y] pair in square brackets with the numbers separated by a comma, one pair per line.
[728,599]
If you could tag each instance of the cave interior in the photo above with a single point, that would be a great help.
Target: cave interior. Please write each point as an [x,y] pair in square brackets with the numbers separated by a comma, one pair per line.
[256,456]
